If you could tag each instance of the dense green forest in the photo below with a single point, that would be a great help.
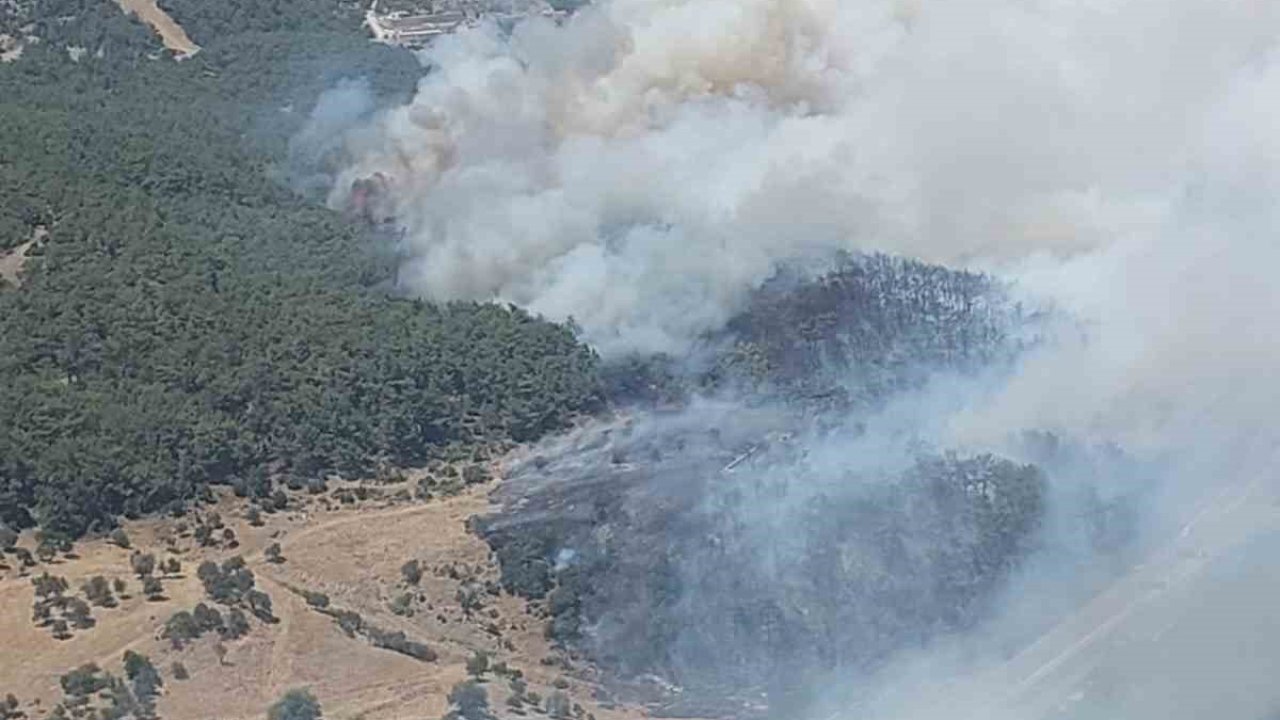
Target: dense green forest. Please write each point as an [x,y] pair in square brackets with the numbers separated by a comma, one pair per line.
[189,320]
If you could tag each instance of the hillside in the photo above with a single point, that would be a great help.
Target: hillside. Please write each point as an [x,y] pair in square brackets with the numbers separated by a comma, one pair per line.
[353,554]
[187,319]
[196,355]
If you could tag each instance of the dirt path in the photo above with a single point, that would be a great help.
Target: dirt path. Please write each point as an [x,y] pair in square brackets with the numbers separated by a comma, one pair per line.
[174,37]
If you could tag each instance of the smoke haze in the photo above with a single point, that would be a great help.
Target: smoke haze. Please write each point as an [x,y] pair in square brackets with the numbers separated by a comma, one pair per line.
[643,168]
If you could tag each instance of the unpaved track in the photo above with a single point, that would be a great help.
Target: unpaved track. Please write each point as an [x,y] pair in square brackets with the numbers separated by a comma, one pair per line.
[170,32]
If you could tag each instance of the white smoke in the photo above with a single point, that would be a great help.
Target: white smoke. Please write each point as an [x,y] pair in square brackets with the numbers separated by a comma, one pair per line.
[643,167]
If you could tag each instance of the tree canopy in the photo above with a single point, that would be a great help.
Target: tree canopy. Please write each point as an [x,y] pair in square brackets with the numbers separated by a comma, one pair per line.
[189,320]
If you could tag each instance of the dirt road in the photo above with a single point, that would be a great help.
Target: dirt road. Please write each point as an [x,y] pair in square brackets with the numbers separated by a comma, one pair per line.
[170,32]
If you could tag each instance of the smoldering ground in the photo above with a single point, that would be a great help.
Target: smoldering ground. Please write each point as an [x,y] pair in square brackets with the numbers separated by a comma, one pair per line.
[646,166]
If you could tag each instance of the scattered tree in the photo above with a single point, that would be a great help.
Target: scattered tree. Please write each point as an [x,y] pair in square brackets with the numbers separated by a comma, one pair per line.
[142,674]
[179,671]
[478,664]
[45,551]
[83,681]
[180,628]
[296,704]
[120,538]
[77,612]
[411,571]
[152,588]
[207,619]
[273,553]
[260,605]
[204,535]
[143,564]
[468,701]
[402,604]
[98,591]
[24,557]
[9,708]
[49,586]
[229,584]
[279,500]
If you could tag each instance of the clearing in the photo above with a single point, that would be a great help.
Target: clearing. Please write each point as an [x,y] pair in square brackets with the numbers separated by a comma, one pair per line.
[171,33]
[11,263]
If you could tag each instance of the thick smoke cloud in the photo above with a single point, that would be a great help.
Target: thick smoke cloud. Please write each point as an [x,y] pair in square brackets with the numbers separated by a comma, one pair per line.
[337,111]
[642,168]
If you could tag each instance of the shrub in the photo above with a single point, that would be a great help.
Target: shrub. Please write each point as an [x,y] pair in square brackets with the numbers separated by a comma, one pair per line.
[469,701]
[273,553]
[98,591]
[83,681]
[143,564]
[478,664]
[142,674]
[295,705]
[152,588]
[411,571]
[180,628]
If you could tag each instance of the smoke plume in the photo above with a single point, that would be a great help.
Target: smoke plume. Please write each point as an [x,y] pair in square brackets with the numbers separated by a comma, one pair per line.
[648,164]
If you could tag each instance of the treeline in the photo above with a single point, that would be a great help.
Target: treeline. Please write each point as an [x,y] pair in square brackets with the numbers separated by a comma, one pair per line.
[188,320]
[870,326]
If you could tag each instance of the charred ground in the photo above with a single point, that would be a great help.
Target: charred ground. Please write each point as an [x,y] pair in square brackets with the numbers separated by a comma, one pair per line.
[705,544]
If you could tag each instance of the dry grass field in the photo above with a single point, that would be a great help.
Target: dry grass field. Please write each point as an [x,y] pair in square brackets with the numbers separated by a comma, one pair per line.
[353,553]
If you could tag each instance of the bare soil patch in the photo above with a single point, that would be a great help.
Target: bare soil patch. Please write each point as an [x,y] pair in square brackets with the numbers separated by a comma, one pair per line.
[11,263]
[170,32]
